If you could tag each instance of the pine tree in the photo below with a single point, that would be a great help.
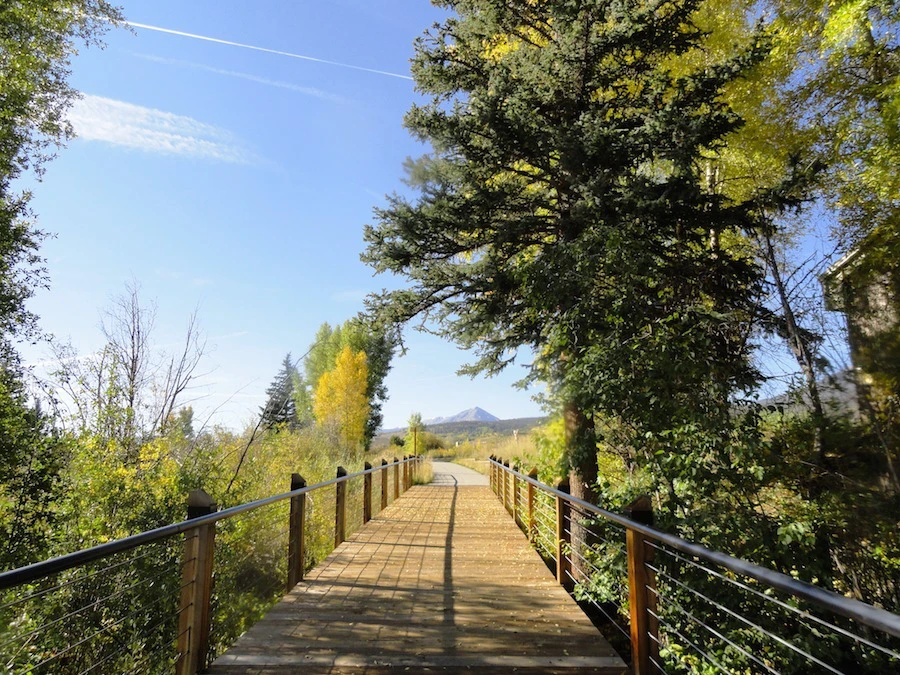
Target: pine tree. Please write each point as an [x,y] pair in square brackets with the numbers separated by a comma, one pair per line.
[564,210]
[280,407]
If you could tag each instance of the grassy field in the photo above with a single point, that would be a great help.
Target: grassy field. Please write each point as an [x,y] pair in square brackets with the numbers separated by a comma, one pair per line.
[474,454]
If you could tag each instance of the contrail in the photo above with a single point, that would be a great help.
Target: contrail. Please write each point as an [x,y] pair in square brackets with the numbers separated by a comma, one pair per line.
[264,49]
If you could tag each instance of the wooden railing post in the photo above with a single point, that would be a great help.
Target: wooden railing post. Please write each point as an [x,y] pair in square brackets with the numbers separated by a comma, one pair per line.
[296,551]
[340,508]
[196,587]
[532,523]
[396,479]
[491,474]
[640,599]
[506,487]
[405,473]
[384,482]
[515,495]
[563,538]
[367,495]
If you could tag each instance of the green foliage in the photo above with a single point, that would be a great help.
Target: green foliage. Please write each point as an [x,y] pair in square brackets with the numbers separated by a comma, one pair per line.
[419,440]
[360,335]
[31,459]
[132,598]
[414,443]
[37,40]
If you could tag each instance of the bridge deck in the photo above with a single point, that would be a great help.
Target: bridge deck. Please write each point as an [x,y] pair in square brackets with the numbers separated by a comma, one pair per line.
[441,581]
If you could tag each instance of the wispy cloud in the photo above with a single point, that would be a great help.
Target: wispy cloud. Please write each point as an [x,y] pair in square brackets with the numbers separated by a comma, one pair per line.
[280,84]
[241,45]
[107,120]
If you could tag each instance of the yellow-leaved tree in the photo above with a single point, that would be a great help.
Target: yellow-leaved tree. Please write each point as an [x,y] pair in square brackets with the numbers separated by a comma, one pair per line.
[341,403]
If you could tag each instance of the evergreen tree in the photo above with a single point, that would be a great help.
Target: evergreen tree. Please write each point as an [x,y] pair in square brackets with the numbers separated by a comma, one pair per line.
[280,407]
[564,209]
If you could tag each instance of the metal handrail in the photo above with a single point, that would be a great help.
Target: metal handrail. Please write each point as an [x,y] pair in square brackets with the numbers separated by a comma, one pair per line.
[874,617]
[45,568]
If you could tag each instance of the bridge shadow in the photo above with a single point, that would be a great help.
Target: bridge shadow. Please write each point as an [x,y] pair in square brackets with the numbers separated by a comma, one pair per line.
[448,636]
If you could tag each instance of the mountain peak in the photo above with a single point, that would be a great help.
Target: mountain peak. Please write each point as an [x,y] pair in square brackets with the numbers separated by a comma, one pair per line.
[475,414]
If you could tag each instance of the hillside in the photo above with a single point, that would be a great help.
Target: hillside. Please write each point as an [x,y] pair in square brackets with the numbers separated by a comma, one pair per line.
[468,430]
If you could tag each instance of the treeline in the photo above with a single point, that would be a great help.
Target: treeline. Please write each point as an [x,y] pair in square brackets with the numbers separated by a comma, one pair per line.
[341,386]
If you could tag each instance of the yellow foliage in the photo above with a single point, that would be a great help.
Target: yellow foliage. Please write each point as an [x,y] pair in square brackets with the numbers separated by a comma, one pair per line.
[341,402]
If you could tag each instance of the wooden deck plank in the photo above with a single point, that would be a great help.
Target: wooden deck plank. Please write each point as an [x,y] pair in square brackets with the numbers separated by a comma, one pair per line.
[441,581]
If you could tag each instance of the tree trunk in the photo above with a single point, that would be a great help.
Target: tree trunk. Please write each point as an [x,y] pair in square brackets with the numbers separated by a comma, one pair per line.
[801,351]
[581,442]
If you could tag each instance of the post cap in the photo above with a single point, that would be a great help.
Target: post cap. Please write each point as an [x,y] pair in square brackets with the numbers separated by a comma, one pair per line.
[297,481]
[640,510]
[199,503]
[367,466]
[341,471]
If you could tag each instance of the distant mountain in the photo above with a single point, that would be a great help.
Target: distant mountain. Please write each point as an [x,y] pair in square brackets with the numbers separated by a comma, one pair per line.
[475,414]
[452,432]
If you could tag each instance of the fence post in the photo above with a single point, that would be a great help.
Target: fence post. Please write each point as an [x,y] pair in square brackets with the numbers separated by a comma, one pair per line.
[563,538]
[296,552]
[532,524]
[384,482]
[515,495]
[396,479]
[196,587]
[340,507]
[640,598]
[491,473]
[405,473]
[506,487]
[367,495]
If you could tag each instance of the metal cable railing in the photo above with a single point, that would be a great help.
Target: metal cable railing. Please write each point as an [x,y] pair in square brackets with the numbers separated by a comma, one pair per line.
[686,608]
[174,597]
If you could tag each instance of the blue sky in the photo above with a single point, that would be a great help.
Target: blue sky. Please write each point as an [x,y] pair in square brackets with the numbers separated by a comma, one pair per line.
[239,181]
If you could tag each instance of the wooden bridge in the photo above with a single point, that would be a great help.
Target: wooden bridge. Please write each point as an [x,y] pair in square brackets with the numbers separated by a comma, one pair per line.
[440,581]
[458,575]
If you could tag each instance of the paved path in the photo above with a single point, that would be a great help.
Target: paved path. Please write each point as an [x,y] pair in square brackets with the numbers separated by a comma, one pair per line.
[440,581]
[448,473]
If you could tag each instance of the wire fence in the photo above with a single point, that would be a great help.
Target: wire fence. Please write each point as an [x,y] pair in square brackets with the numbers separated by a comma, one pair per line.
[129,606]
[699,611]
[105,616]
